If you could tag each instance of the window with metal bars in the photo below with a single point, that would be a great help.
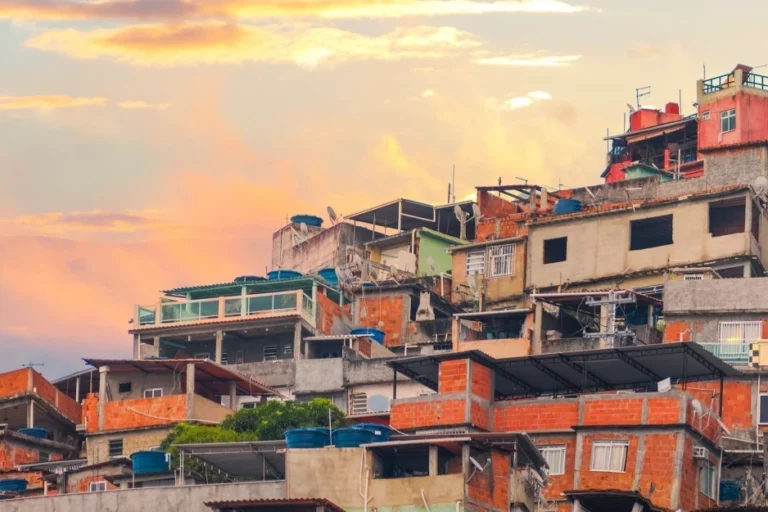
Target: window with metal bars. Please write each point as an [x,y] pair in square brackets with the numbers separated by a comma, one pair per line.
[476,261]
[359,403]
[501,260]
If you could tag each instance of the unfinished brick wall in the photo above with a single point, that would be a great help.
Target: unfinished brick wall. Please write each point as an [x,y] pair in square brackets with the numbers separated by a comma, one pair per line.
[737,401]
[691,497]
[564,482]
[34,480]
[433,413]
[387,309]
[532,416]
[481,381]
[494,206]
[53,396]
[452,377]
[14,383]
[13,453]
[658,467]
[506,226]
[83,484]
[490,489]
[677,331]
[600,480]
[331,318]
[136,413]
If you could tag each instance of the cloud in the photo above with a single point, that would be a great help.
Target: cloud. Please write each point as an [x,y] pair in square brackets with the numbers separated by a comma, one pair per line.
[517,102]
[180,10]
[428,93]
[226,43]
[530,60]
[46,103]
[540,95]
[141,105]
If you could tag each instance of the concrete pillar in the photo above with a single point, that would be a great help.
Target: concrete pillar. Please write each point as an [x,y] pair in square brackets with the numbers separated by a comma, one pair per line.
[219,346]
[137,346]
[650,315]
[190,389]
[544,203]
[537,322]
[605,320]
[31,413]
[297,341]
[103,374]
[433,466]
[577,506]
[233,395]
[77,390]
[243,302]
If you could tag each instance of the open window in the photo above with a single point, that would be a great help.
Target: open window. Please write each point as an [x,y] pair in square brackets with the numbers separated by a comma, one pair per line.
[407,461]
[727,217]
[500,325]
[650,232]
[555,250]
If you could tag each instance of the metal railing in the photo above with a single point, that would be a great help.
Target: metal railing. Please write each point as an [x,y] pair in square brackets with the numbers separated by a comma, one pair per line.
[191,311]
[718,83]
[729,352]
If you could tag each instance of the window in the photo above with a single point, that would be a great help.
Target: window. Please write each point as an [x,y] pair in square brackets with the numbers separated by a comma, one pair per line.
[728,120]
[609,456]
[223,358]
[705,115]
[555,250]
[476,262]
[359,403]
[44,457]
[99,486]
[442,347]
[693,277]
[115,447]
[124,387]
[202,355]
[651,232]
[727,217]
[763,409]
[153,393]
[270,352]
[708,479]
[250,405]
[555,457]
[501,260]
[288,351]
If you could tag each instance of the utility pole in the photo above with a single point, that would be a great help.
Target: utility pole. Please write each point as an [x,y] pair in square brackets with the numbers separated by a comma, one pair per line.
[614,299]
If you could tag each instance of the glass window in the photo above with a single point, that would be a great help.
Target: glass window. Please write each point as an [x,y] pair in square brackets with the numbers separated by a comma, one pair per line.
[501,260]
[708,479]
[153,393]
[763,409]
[124,387]
[555,250]
[476,262]
[728,120]
[99,486]
[609,456]
[555,457]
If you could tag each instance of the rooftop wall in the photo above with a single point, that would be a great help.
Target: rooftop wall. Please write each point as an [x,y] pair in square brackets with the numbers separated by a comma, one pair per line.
[719,296]
[28,381]
[326,248]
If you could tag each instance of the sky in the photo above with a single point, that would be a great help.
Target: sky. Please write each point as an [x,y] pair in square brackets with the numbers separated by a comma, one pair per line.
[147,144]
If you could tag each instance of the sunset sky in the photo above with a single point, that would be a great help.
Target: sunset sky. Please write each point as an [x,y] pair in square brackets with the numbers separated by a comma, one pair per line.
[146,144]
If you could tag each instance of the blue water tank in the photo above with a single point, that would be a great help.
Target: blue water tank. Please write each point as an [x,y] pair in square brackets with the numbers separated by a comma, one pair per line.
[149,462]
[309,220]
[729,490]
[309,437]
[39,433]
[567,206]
[380,433]
[13,485]
[352,437]
[283,274]
[375,334]
[329,274]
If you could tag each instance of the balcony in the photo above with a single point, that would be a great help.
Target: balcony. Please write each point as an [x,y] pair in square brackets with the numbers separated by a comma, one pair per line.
[719,83]
[225,309]
[733,353]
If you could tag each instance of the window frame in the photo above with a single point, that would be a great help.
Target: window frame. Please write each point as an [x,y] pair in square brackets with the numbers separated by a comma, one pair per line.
[122,385]
[729,117]
[358,397]
[97,483]
[705,116]
[473,269]
[152,393]
[505,257]
[708,475]
[554,448]
[110,448]
[760,408]
[639,227]
[550,241]
[611,444]
[274,357]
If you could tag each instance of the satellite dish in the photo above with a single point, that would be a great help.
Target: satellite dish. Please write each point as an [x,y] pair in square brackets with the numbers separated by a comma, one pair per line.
[760,185]
[332,215]
[462,217]
[476,211]
[698,409]
[431,264]
[631,108]
[477,465]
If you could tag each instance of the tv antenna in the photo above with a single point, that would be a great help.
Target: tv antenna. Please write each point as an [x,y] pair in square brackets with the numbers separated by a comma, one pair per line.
[464,217]
[641,92]
[32,364]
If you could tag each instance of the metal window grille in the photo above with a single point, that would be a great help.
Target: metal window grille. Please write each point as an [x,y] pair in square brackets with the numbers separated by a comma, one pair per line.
[609,456]
[740,332]
[476,262]
[115,447]
[202,355]
[223,358]
[501,260]
[270,352]
[359,403]
[693,277]
[555,457]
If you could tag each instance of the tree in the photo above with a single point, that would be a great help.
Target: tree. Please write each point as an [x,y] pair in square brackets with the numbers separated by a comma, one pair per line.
[270,421]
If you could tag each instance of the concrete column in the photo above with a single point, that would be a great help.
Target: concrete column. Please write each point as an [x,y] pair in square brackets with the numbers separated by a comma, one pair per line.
[297,341]
[544,198]
[31,413]
[604,327]
[103,374]
[577,506]
[243,302]
[219,346]
[537,321]
[190,389]
[233,395]
[77,390]
[650,315]
[137,346]
[433,461]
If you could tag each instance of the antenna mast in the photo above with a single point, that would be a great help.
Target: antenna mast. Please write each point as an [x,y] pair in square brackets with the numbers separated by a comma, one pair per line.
[641,92]
[453,184]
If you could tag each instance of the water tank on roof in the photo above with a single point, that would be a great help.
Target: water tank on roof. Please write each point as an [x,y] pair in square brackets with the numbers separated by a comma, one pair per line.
[310,437]
[309,220]
[13,485]
[39,433]
[329,274]
[283,274]
[147,462]
[375,334]
[567,206]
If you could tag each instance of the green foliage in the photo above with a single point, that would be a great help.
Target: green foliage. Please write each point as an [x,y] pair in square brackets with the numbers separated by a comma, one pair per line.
[271,420]
[186,433]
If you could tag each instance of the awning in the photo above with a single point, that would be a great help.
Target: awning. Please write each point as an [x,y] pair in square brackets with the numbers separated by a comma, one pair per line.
[589,371]
[304,283]
[612,501]
[406,215]
[257,460]
[655,131]
[208,374]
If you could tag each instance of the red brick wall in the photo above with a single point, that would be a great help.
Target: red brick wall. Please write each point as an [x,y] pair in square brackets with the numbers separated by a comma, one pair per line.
[330,314]
[118,415]
[618,411]
[664,411]
[677,331]
[509,226]
[737,400]
[480,415]
[84,483]
[529,416]
[491,488]
[690,484]
[34,480]
[433,413]
[494,206]
[15,382]
[659,467]
[387,309]
[560,483]
[481,381]
[452,377]
[364,346]
[53,396]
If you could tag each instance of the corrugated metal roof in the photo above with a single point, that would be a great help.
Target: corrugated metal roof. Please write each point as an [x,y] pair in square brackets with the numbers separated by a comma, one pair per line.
[267,504]
[229,320]
[267,284]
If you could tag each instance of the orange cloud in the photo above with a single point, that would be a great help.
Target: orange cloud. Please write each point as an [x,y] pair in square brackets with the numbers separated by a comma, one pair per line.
[530,60]
[142,105]
[166,10]
[213,42]
[51,102]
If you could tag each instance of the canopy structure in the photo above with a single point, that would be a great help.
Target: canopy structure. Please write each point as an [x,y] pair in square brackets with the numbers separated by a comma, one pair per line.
[304,283]
[208,375]
[256,460]
[636,367]
[405,215]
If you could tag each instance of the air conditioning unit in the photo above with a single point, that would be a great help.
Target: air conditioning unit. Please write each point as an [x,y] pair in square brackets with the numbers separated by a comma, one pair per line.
[699,452]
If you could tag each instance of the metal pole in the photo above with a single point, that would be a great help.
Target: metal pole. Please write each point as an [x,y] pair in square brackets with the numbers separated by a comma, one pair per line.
[721,398]
[394,386]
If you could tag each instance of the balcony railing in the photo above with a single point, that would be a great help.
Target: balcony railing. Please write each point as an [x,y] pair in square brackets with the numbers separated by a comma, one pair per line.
[718,83]
[225,308]
[734,353]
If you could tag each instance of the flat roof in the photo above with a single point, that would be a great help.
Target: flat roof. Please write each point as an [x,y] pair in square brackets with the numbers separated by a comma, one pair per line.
[255,460]
[253,287]
[580,372]
[210,375]
[663,128]
[275,504]
[409,214]
[64,465]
